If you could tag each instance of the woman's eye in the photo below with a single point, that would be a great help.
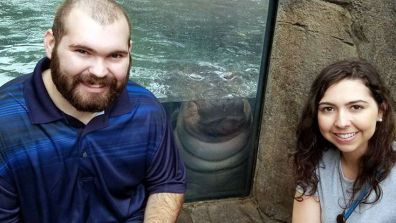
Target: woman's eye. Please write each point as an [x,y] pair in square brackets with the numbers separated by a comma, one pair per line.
[356,107]
[327,109]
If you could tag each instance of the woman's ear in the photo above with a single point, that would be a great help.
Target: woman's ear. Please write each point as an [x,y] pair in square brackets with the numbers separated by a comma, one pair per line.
[381,111]
[49,43]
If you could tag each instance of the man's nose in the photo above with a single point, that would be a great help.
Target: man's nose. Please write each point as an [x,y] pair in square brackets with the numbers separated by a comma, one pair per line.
[98,67]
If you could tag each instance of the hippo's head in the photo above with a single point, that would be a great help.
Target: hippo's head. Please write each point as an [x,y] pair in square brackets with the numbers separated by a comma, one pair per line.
[216,120]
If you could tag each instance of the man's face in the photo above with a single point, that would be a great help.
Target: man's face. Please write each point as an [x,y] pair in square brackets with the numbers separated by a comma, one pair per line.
[90,65]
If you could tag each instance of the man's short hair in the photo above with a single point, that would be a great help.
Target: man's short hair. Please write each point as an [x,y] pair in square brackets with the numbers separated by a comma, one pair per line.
[103,11]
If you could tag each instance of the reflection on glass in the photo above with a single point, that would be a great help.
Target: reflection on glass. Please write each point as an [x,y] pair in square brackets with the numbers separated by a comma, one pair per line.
[200,57]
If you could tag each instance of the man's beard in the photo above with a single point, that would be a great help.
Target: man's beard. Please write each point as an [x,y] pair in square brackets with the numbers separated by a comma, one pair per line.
[84,101]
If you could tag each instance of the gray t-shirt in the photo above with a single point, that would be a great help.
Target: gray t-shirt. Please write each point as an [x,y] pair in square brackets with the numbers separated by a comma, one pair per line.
[334,191]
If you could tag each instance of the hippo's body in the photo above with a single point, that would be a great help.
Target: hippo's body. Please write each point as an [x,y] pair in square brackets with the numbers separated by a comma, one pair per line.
[214,139]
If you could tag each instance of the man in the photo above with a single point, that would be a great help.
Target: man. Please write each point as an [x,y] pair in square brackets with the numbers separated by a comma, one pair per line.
[78,141]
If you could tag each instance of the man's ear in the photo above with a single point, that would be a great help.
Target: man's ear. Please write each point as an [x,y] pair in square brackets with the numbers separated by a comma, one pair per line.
[130,46]
[49,43]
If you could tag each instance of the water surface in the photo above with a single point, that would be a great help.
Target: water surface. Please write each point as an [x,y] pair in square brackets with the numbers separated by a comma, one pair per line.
[182,50]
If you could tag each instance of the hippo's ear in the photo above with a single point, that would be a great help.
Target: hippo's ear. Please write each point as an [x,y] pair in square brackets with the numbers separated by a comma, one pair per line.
[173,117]
[192,110]
[49,43]
[246,108]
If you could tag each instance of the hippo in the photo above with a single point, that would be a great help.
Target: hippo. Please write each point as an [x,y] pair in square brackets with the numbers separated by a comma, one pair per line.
[214,140]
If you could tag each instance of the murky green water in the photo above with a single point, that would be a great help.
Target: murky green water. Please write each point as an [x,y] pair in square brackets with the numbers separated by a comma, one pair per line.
[182,49]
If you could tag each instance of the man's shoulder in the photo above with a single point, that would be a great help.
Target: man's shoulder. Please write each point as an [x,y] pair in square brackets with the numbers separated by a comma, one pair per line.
[12,102]
[137,92]
[144,101]
[13,89]
[135,88]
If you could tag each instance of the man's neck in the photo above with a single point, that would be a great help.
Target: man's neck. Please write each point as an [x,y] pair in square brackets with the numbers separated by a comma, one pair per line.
[61,103]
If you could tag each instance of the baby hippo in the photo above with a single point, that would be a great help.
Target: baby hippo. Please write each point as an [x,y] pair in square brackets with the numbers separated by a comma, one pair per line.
[213,136]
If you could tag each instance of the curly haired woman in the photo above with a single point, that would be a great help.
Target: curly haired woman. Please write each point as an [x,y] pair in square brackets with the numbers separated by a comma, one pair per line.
[345,154]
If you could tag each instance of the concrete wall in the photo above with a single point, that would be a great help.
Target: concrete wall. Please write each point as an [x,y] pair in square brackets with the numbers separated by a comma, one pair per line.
[309,35]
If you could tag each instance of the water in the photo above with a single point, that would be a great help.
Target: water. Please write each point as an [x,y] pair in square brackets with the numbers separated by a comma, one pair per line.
[182,49]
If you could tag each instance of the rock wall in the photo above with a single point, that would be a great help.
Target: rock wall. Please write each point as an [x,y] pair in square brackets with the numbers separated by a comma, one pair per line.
[309,35]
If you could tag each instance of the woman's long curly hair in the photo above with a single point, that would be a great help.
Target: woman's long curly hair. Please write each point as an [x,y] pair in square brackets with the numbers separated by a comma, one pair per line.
[379,158]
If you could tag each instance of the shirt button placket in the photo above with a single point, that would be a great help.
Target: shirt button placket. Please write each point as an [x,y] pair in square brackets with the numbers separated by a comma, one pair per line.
[82,150]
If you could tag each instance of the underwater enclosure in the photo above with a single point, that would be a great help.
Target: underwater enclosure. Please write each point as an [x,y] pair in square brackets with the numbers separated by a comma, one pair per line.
[202,58]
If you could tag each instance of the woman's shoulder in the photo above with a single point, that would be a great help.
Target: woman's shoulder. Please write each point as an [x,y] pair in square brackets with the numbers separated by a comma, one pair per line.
[330,157]
[392,174]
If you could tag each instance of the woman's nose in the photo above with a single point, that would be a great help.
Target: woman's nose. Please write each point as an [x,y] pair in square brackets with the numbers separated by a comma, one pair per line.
[342,120]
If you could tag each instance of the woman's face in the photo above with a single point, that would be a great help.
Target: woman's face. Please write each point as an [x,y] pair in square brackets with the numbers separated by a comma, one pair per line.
[347,116]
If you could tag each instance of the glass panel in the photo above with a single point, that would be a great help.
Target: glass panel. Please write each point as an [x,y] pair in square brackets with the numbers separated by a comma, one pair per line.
[201,58]
[215,140]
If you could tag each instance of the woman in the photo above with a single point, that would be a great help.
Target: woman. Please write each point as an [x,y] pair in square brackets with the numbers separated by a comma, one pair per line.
[345,158]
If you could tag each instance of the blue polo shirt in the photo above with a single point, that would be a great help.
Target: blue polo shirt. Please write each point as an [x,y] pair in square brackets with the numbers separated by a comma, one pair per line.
[53,168]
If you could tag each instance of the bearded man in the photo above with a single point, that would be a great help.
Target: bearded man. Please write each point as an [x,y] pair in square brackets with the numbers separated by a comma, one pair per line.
[79,142]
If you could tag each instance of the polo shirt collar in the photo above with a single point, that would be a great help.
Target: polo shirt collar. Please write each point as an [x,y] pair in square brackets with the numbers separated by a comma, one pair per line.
[43,110]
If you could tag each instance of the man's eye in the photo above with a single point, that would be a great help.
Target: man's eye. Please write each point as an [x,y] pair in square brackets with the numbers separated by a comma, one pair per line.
[116,56]
[81,51]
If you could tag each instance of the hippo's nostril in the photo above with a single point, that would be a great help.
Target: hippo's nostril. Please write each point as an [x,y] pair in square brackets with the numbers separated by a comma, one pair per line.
[222,127]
